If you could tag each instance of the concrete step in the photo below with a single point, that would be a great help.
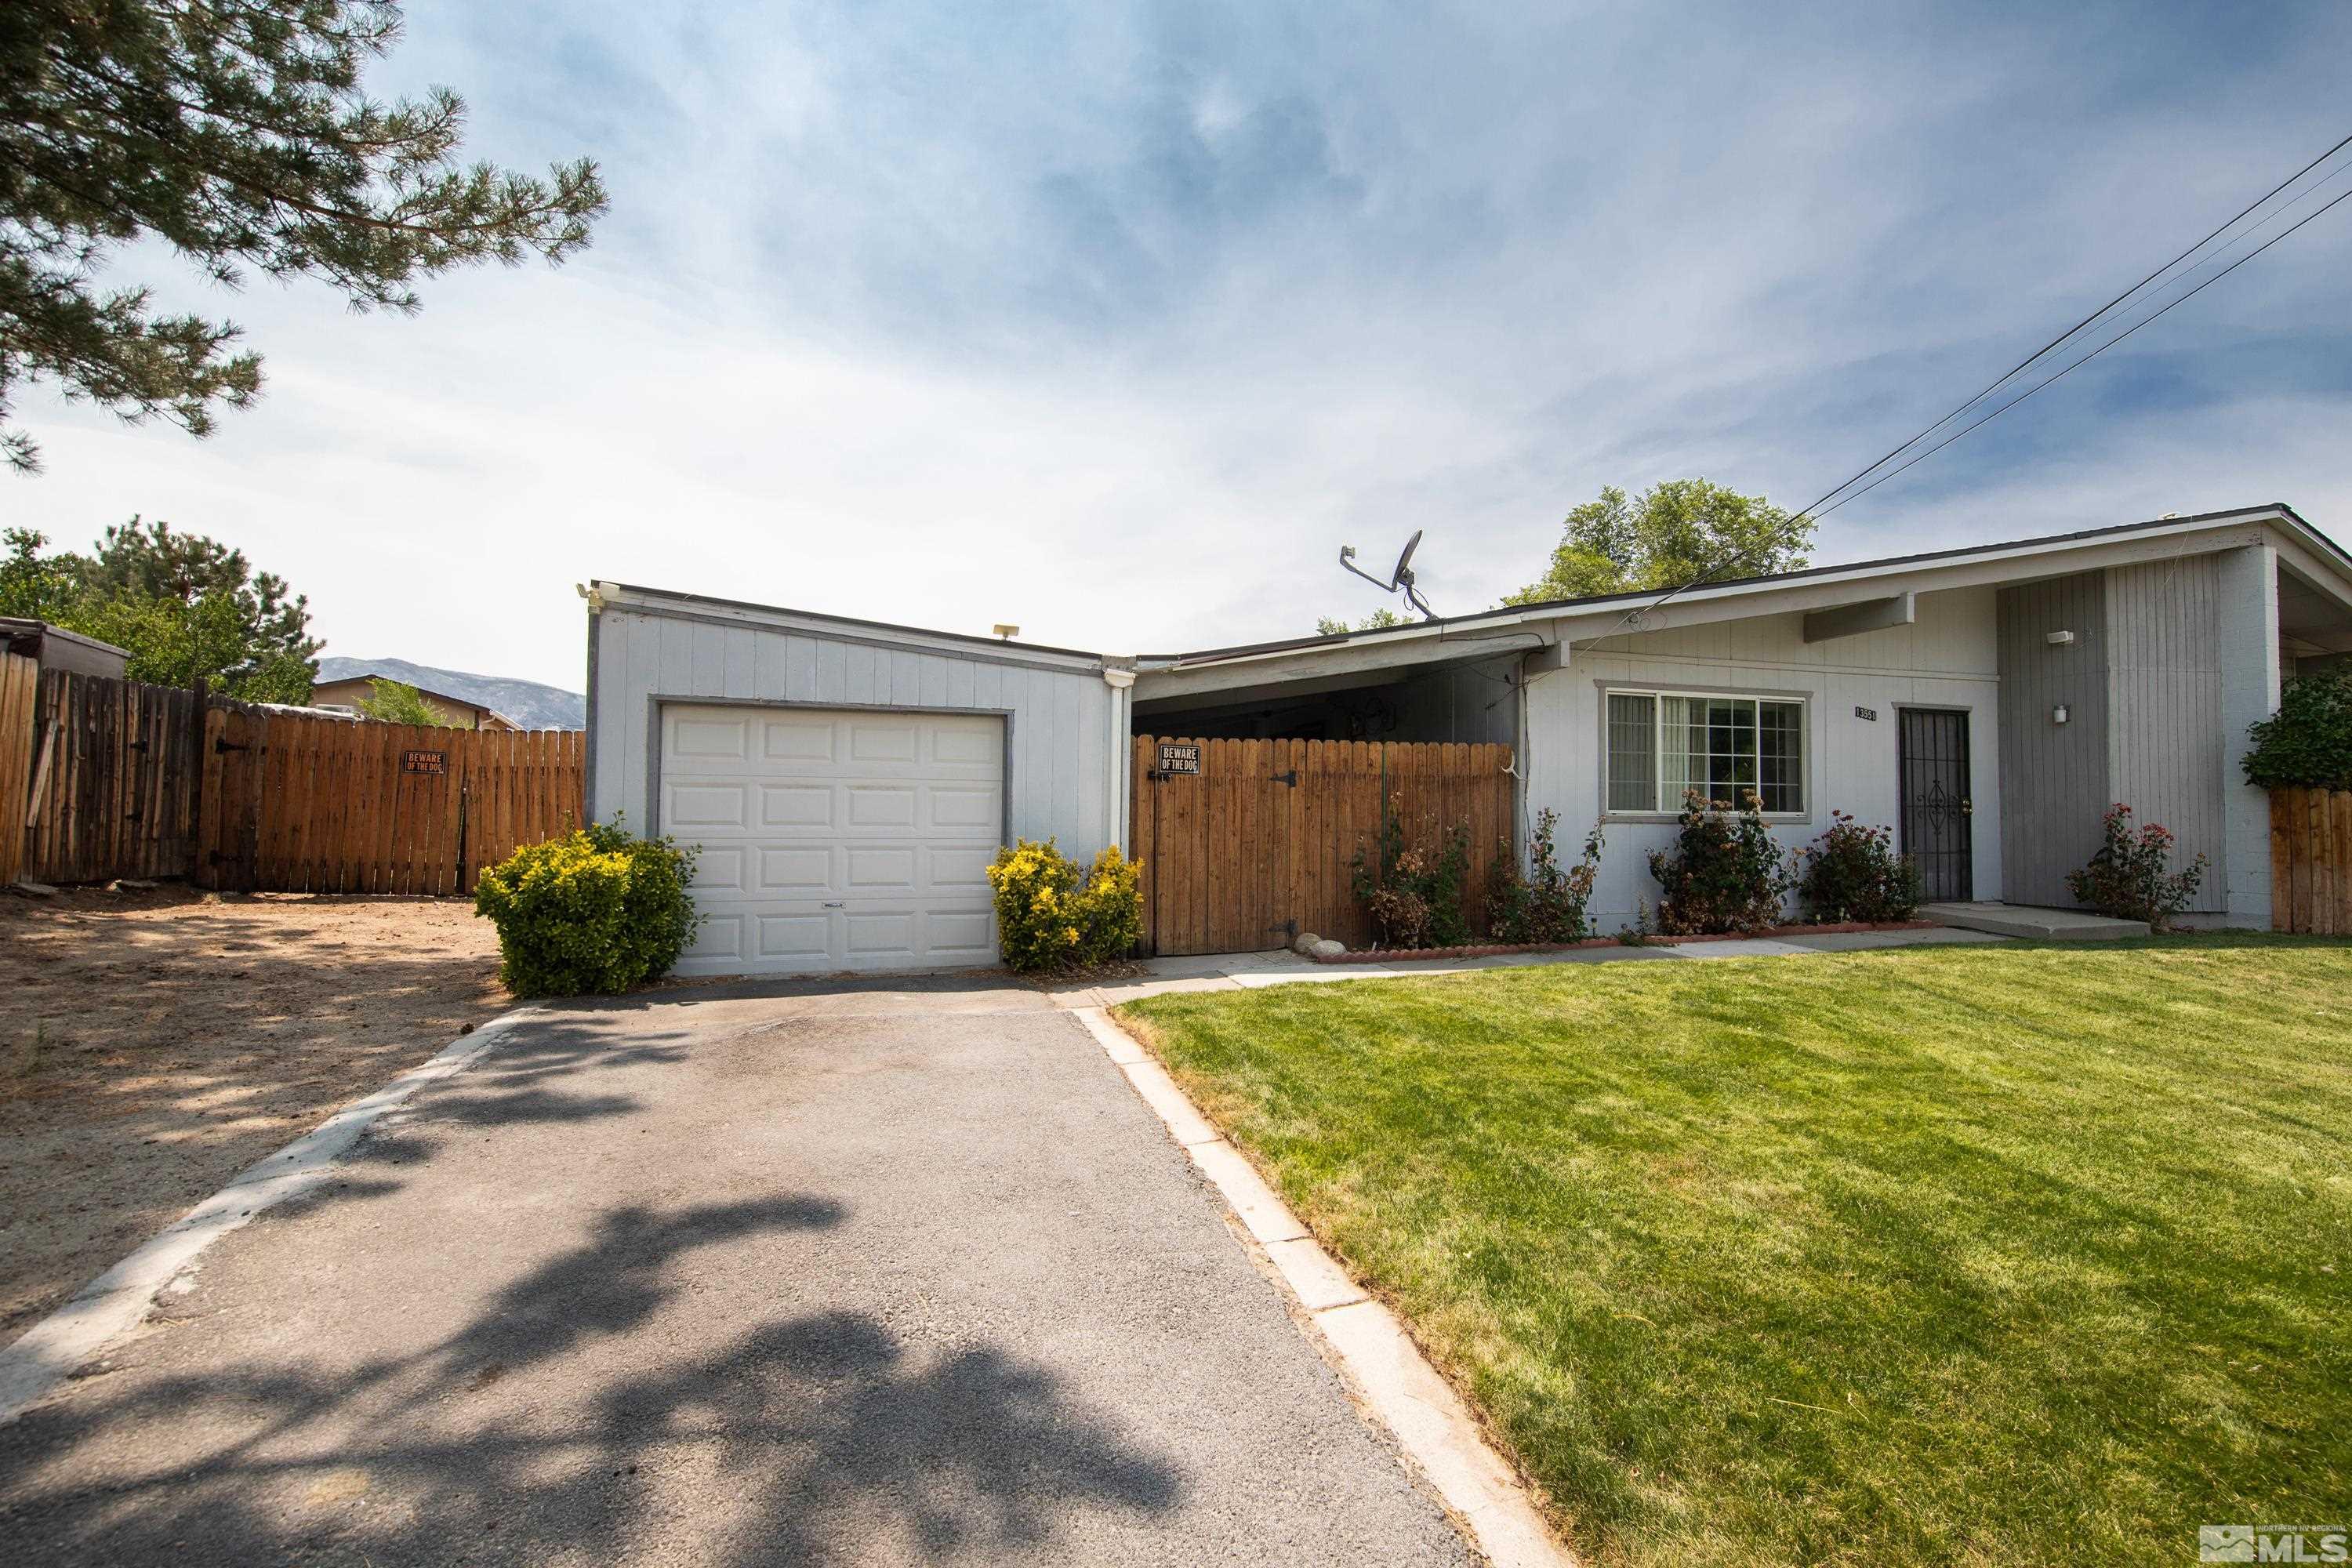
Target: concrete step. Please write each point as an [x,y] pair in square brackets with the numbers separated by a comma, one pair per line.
[2019,919]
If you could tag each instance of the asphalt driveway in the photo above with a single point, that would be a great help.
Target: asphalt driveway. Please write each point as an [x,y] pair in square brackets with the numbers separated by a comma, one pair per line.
[863,1276]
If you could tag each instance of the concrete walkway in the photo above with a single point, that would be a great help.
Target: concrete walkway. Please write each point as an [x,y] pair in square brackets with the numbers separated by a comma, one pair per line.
[1279,966]
[878,1274]
[2035,923]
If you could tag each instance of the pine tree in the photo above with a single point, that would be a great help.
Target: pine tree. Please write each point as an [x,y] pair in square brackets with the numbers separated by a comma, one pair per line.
[237,132]
[187,608]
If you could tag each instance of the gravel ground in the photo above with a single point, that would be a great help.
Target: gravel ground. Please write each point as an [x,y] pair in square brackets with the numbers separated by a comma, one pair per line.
[157,1042]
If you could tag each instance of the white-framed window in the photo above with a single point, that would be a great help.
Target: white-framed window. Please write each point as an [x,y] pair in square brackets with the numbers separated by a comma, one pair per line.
[1661,744]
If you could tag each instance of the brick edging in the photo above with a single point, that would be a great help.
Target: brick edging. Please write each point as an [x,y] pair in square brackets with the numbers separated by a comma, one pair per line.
[1497,948]
[1834,928]
[1482,950]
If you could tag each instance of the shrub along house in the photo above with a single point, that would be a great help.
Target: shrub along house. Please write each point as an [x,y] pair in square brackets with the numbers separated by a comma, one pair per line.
[848,781]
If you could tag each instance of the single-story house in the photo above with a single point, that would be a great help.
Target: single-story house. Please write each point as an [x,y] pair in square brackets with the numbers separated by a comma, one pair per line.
[346,695]
[847,780]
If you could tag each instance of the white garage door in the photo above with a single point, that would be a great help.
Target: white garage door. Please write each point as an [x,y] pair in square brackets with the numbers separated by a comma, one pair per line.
[836,840]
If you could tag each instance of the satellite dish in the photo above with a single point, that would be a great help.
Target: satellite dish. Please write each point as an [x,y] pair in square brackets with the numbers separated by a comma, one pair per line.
[1400,578]
[1403,576]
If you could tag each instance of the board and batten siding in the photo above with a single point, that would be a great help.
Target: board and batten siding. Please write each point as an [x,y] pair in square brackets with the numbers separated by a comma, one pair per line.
[2053,776]
[1065,725]
[2142,686]
[2164,681]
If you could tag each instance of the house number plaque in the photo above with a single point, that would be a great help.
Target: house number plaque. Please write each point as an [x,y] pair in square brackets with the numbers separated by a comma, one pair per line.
[1869,715]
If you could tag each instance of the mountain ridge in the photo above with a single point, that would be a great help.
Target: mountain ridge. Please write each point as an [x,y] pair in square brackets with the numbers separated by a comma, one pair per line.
[528,703]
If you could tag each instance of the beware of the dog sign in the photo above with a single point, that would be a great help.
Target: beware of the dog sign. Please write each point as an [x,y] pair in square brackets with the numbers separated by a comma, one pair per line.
[1179,757]
[425,762]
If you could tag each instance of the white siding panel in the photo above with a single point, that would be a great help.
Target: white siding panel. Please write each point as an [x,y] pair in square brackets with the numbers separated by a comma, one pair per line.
[799,667]
[1054,747]
[771,657]
[737,656]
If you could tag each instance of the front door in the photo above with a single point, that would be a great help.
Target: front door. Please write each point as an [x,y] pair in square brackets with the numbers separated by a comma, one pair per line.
[1938,814]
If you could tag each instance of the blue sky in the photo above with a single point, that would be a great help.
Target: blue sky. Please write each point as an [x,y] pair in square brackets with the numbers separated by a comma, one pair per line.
[1115,322]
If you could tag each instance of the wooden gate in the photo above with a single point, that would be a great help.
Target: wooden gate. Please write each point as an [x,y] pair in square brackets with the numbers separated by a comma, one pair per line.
[2310,861]
[1256,846]
[107,795]
[20,687]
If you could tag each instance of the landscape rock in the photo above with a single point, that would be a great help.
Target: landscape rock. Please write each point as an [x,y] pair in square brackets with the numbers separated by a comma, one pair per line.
[1327,948]
[1305,943]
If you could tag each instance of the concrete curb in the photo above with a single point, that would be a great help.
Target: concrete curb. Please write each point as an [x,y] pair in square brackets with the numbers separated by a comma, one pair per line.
[114,1303]
[1386,1370]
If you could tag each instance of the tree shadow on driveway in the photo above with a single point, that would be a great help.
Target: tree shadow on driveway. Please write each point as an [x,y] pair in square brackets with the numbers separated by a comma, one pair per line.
[594,1409]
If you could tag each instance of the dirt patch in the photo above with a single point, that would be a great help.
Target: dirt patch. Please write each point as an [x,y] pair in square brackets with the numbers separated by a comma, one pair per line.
[155,1043]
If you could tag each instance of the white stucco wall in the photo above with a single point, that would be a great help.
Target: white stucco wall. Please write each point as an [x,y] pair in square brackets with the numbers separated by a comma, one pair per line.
[1947,659]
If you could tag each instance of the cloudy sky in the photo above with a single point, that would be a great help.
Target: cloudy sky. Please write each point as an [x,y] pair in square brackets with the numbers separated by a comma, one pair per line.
[1115,320]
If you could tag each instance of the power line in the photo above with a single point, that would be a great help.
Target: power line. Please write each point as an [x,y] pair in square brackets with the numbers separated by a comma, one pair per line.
[2086,358]
[1833,495]
[2045,349]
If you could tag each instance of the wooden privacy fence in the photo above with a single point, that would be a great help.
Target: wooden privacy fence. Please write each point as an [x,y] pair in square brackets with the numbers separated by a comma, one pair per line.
[117,778]
[2310,861]
[301,805]
[1257,844]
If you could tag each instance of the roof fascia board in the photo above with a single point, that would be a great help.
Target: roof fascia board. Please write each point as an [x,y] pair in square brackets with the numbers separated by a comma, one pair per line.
[624,600]
[1933,578]
[1826,589]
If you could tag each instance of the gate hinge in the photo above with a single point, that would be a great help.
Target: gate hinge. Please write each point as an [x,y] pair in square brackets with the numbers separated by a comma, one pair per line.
[1291,778]
[220,745]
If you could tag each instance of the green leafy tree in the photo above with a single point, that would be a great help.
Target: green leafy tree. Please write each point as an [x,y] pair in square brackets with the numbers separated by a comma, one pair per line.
[236,133]
[185,606]
[391,703]
[35,586]
[1677,531]
[1332,626]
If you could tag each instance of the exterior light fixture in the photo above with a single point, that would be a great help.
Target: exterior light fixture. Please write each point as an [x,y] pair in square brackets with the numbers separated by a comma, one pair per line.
[2058,714]
[2058,640]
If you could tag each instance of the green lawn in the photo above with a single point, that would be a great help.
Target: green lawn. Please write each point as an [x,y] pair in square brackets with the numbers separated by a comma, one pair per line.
[1961,1254]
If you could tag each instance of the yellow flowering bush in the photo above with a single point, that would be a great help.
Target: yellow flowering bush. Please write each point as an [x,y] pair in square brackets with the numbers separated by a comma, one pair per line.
[1051,913]
[599,911]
